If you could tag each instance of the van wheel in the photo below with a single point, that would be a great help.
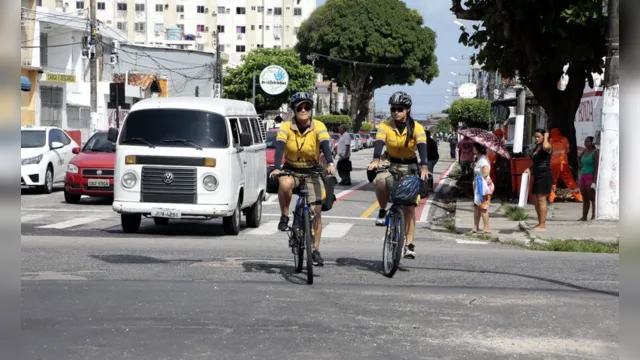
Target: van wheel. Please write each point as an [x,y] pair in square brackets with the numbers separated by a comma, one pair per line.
[231,224]
[130,222]
[254,213]
[161,221]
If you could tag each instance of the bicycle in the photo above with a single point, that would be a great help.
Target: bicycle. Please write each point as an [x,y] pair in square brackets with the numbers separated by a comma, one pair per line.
[394,237]
[300,231]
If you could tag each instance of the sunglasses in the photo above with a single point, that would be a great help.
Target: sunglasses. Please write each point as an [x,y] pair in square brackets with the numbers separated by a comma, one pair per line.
[305,107]
[397,109]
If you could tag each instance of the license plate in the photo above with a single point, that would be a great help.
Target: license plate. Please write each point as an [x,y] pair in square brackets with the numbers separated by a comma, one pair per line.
[99,182]
[166,213]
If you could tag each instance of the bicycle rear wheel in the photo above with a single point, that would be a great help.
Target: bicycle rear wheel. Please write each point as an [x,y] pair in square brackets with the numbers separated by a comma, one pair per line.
[308,244]
[297,245]
[393,243]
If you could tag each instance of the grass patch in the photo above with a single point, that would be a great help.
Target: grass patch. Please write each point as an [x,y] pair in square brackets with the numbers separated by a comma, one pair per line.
[515,213]
[487,237]
[577,246]
[449,224]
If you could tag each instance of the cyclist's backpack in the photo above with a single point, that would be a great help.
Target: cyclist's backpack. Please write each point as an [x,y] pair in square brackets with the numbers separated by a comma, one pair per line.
[406,191]
[329,186]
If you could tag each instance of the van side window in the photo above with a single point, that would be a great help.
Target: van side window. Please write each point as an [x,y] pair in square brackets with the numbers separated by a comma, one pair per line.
[255,131]
[235,131]
[244,125]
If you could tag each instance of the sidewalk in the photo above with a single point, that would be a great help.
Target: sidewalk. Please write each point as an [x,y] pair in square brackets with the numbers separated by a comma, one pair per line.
[562,224]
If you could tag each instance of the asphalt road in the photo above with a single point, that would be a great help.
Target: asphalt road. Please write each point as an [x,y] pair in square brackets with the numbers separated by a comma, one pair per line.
[187,292]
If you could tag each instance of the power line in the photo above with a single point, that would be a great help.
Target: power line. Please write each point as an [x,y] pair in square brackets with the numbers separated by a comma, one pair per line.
[50,46]
[359,62]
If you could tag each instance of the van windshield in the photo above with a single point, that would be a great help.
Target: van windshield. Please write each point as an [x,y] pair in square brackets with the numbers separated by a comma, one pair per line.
[176,128]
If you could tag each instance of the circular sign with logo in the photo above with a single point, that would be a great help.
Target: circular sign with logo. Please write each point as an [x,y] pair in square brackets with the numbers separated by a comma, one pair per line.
[467,90]
[274,80]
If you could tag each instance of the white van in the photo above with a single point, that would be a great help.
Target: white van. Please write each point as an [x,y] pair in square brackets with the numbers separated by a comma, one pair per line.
[190,157]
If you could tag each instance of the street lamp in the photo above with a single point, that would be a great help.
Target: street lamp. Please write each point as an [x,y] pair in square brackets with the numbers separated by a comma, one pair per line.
[452,58]
[458,23]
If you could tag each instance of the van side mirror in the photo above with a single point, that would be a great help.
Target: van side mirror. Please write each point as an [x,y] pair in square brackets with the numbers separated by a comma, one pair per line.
[112,135]
[246,139]
[75,150]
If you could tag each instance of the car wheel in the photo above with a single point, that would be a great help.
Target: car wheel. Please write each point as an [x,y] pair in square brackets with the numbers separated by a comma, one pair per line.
[254,213]
[130,222]
[161,221]
[71,198]
[47,188]
[231,224]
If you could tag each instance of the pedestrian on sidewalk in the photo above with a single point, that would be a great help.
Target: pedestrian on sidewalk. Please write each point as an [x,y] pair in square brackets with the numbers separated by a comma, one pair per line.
[343,164]
[453,145]
[588,169]
[542,177]
[432,157]
[560,165]
[465,154]
[482,188]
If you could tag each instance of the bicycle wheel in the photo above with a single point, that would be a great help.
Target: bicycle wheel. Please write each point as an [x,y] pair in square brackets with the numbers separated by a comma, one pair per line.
[393,243]
[307,238]
[297,246]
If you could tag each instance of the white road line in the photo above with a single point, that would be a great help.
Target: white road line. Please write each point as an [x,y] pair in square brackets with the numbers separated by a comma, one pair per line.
[71,223]
[336,230]
[70,210]
[427,208]
[477,242]
[31,217]
[351,189]
[268,228]
[333,217]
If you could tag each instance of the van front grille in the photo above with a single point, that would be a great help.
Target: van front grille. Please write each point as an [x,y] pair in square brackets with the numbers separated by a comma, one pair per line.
[169,185]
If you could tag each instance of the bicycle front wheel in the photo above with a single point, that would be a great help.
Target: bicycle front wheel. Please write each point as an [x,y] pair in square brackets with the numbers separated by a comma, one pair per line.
[308,244]
[393,243]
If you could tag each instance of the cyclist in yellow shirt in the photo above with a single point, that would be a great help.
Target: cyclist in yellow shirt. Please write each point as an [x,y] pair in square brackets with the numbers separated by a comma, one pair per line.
[300,140]
[401,136]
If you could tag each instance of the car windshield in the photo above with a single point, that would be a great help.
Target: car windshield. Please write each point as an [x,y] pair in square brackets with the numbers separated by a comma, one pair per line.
[175,128]
[335,137]
[33,138]
[99,143]
[352,136]
[271,139]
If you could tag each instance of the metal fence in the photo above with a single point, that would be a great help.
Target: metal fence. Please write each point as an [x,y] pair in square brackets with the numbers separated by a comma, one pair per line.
[51,109]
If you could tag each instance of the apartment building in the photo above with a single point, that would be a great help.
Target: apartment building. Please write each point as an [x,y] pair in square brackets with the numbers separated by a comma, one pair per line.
[241,25]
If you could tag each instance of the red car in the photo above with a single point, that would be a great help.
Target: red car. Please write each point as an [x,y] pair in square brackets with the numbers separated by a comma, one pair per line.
[90,172]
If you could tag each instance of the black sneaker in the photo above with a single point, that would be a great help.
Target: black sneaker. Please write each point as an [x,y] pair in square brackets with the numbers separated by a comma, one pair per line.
[317,259]
[410,251]
[380,221]
[283,225]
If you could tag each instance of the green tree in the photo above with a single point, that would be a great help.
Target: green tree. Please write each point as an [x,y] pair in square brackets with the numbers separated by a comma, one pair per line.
[475,113]
[368,32]
[535,40]
[444,126]
[237,81]
[366,127]
[333,121]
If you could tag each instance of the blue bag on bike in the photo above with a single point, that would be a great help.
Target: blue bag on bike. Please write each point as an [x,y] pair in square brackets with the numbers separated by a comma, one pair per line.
[406,191]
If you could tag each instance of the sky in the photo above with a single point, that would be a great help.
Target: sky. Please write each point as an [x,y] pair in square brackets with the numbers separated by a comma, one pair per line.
[430,99]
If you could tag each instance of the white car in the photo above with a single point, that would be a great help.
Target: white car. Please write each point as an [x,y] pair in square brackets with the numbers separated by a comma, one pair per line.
[45,152]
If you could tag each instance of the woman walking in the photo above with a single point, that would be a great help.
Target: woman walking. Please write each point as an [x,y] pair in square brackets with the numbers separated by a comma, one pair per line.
[482,188]
[542,178]
[588,169]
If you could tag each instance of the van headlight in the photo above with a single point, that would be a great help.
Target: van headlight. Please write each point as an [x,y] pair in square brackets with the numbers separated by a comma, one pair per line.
[129,180]
[210,182]
[72,169]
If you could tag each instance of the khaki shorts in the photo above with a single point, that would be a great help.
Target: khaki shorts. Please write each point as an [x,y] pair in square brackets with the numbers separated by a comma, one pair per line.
[315,185]
[388,177]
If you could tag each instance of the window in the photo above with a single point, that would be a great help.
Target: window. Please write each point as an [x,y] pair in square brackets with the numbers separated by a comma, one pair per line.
[277,47]
[140,7]
[260,27]
[200,9]
[297,11]
[101,6]
[241,29]
[253,27]
[228,11]
[266,27]
[253,8]
[180,26]
[51,105]
[220,9]
[269,11]
[156,125]
[200,28]
[235,132]
[32,138]
[296,29]
[62,137]
[240,48]
[180,8]
[260,8]
[277,11]
[158,28]
[79,4]
[158,7]
[241,11]
[121,26]
[220,28]
[99,143]
[255,131]
[260,46]
[244,126]
[122,6]
[221,47]
[140,26]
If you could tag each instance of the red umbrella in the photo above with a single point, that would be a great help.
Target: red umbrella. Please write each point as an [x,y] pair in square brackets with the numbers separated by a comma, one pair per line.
[486,139]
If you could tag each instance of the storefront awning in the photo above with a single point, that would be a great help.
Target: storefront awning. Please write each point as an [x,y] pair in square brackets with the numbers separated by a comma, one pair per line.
[25,83]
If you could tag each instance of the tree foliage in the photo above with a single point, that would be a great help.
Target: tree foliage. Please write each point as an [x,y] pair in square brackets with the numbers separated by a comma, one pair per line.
[332,122]
[366,127]
[444,126]
[237,82]
[535,40]
[475,113]
[369,32]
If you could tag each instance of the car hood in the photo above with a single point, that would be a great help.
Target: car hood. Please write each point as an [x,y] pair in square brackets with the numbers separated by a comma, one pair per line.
[105,160]
[26,153]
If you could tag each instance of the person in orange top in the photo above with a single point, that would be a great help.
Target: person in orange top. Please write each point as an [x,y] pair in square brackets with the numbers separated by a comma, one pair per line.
[493,156]
[560,165]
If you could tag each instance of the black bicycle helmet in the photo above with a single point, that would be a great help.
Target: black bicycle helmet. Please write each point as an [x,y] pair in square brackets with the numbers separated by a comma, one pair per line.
[400,98]
[300,97]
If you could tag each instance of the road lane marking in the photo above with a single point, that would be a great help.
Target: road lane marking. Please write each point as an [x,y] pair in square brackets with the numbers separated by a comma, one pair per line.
[268,228]
[343,194]
[370,210]
[477,242]
[330,217]
[71,223]
[31,217]
[70,210]
[336,230]
[424,216]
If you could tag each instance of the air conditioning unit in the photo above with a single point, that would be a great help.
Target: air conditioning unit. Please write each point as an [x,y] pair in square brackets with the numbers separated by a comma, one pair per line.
[26,62]
[206,28]
[113,59]
[239,36]
[206,10]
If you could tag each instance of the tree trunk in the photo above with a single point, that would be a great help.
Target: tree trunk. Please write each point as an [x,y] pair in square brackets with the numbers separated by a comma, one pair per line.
[360,109]
[561,106]
[359,86]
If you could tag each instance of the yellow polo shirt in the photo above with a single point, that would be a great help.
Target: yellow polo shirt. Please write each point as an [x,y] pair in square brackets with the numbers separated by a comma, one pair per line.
[394,139]
[302,150]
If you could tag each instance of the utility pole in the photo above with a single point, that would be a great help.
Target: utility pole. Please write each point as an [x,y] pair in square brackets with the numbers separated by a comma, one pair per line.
[313,58]
[253,86]
[608,177]
[93,67]
[518,136]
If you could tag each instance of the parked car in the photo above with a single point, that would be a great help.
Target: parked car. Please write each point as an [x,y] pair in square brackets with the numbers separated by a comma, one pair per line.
[45,152]
[354,148]
[367,140]
[358,140]
[335,137]
[90,172]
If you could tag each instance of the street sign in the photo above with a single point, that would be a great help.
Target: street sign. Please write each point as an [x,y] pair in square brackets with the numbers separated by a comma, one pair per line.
[467,90]
[274,80]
